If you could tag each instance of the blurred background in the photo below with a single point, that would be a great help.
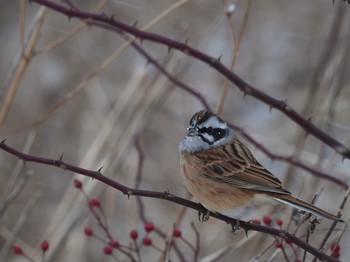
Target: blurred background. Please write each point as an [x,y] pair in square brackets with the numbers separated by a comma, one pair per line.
[81,91]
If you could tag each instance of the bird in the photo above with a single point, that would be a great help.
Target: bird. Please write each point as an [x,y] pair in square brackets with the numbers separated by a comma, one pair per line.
[222,173]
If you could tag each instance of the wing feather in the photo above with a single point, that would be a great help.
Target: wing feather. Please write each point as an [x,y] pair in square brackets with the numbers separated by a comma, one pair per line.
[234,164]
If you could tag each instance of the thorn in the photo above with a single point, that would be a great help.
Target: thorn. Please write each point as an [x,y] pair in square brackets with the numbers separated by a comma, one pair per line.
[3,141]
[129,193]
[167,193]
[99,170]
[309,119]
[219,59]
[235,226]
[246,232]
[169,49]
[135,24]
[187,40]
[203,216]
[69,13]
[61,157]
[270,109]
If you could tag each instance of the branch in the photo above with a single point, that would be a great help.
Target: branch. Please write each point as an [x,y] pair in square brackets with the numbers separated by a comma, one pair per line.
[213,62]
[166,196]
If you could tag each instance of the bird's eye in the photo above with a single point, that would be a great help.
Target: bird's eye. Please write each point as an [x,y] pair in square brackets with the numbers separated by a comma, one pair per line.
[218,133]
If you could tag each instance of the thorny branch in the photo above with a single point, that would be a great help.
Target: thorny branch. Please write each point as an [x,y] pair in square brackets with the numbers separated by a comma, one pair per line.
[101,20]
[110,22]
[166,196]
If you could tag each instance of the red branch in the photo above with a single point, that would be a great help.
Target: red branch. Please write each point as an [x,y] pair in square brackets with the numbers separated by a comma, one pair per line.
[213,62]
[166,196]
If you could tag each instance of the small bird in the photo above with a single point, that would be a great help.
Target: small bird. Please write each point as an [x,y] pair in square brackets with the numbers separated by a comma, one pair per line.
[224,175]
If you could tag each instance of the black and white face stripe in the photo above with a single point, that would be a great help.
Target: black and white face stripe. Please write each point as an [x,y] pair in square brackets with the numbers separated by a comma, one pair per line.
[208,127]
[210,134]
[206,130]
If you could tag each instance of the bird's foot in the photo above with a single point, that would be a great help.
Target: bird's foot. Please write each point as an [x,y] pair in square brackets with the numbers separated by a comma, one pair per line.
[203,217]
[235,226]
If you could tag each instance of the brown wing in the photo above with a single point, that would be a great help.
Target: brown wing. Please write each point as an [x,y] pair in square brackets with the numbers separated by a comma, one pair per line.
[234,164]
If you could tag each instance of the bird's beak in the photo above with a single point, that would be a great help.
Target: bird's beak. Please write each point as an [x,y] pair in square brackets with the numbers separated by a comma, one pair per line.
[191,131]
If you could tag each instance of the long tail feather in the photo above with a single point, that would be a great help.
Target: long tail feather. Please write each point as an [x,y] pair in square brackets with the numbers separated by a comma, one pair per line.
[301,204]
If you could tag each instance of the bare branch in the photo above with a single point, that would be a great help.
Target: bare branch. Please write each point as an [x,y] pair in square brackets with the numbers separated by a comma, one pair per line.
[247,226]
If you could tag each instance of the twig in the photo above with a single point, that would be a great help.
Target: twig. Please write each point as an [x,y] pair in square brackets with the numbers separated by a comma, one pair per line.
[141,157]
[197,246]
[14,193]
[237,46]
[19,224]
[22,21]
[330,230]
[22,66]
[62,39]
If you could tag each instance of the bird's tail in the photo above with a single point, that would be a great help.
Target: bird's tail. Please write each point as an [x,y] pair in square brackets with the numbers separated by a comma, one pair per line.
[301,204]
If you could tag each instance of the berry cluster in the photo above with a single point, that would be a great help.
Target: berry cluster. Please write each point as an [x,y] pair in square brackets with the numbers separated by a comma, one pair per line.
[44,246]
[130,250]
[279,243]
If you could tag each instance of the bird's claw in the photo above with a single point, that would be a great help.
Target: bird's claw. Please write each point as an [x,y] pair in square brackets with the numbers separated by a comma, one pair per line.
[203,217]
[235,226]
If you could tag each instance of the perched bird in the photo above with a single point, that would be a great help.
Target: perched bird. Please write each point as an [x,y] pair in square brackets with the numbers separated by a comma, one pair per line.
[224,175]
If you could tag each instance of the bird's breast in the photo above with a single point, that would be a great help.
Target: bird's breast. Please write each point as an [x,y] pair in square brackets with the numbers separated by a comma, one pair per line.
[215,196]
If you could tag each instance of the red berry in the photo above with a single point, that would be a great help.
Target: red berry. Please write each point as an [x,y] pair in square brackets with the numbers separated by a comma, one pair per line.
[335,247]
[149,227]
[279,221]
[256,221]
[44,246]
[335,254]
[17,250]
[94,202]
[278,244]
[77,183]
[297,260]
[88,231]
[114,244]
[288,241]
[107,250]
[147,241]
[133,234]
[267,220]
[177,232]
